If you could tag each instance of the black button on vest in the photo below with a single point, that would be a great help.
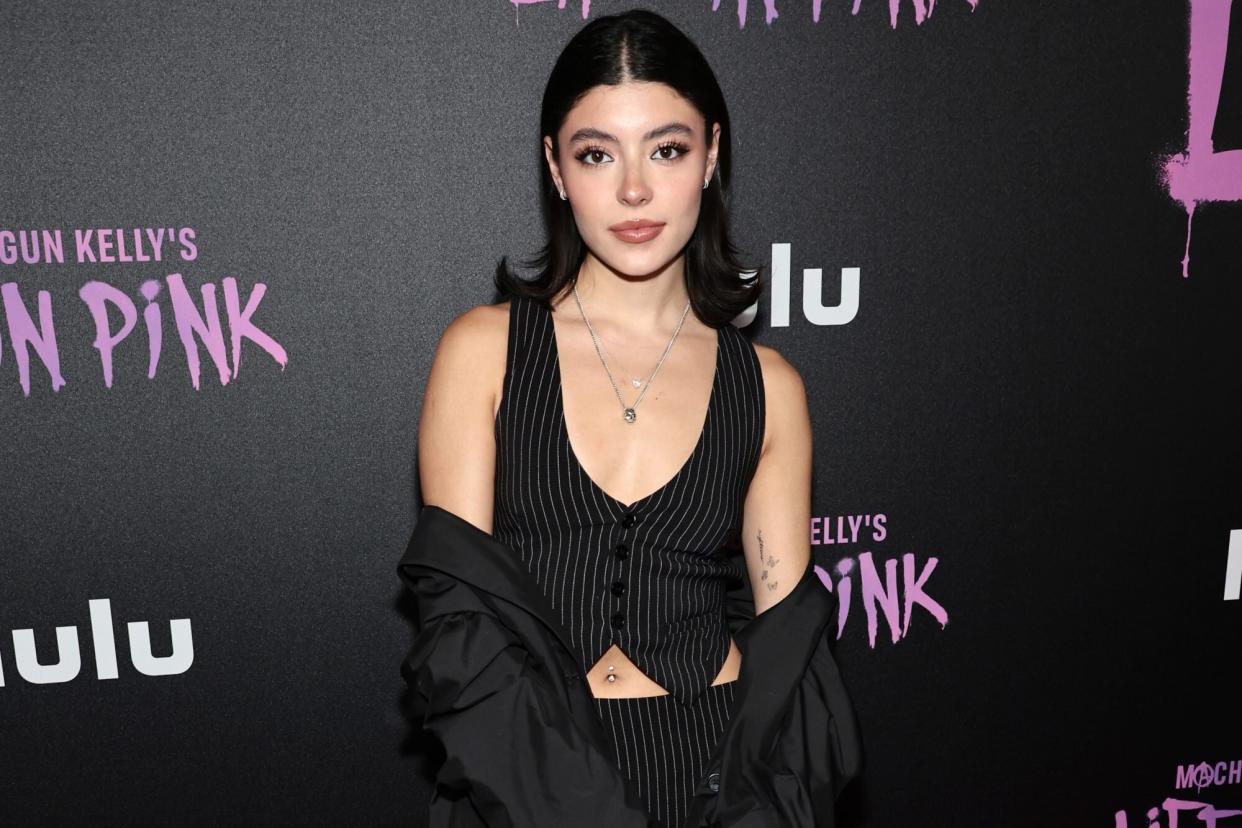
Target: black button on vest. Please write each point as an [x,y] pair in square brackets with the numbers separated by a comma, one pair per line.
[618,619]
[622,551]
[618,588]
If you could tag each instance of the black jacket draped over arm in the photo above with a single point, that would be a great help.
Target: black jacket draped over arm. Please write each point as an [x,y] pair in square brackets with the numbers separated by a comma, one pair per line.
[494,677]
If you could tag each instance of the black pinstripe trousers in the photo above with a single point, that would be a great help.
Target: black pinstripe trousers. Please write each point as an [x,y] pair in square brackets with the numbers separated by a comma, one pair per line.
[662,746]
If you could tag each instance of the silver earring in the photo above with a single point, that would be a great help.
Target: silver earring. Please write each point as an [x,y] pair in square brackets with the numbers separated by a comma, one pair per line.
[563,198]
[705,183]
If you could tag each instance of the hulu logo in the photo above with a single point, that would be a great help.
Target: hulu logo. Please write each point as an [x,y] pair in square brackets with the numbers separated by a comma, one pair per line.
[68,661]
[813,308]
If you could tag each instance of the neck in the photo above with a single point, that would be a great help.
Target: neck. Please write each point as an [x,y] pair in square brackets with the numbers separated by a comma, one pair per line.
[640,303]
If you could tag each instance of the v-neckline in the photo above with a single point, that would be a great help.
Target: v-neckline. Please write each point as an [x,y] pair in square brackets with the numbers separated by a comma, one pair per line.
[559,385]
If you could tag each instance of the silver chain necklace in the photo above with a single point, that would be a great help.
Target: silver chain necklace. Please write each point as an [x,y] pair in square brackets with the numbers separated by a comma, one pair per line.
[628,412]
[637,382]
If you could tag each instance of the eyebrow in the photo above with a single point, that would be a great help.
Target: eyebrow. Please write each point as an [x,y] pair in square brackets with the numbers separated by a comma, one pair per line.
[592,134]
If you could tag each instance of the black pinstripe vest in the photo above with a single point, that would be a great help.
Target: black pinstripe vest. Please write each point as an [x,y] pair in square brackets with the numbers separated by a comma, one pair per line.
[651,576]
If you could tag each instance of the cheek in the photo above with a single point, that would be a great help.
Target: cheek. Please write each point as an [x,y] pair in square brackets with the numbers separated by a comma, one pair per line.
[686,203]
[590,189]
[593,205]
[685,188]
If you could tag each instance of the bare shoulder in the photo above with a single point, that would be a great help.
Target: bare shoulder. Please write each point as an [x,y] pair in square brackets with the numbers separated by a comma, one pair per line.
[477,331]
[781,381]
[784,396]
[473,346]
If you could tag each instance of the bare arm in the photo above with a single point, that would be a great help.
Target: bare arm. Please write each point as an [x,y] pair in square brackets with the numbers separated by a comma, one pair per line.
[777,514]
[456,440]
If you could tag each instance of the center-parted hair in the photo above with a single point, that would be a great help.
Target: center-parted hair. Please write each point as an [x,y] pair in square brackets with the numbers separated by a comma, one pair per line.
[638,45]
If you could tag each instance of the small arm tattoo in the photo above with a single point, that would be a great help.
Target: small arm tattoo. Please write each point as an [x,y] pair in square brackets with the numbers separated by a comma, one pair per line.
[768,561]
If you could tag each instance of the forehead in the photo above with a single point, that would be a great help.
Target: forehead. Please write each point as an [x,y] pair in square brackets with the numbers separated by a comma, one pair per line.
[628,110]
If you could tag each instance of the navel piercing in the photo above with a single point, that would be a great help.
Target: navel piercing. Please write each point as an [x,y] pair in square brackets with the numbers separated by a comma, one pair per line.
[611,676]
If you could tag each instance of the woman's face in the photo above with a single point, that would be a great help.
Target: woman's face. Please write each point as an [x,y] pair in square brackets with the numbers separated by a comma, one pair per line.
[634,153]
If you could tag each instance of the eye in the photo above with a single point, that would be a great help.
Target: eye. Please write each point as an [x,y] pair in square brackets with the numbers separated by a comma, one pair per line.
[591,156]
[670,151]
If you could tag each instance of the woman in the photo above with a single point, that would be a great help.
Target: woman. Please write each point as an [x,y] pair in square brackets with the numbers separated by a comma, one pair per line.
[608,423]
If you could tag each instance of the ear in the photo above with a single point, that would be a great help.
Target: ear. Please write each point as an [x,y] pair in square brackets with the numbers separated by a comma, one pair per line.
[713,150]
[553,167]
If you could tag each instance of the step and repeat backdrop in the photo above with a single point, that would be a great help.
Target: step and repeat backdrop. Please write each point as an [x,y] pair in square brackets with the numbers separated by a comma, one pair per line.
[1003,246]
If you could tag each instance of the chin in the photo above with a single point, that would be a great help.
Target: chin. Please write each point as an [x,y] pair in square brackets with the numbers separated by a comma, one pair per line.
[637,267]
[638,263]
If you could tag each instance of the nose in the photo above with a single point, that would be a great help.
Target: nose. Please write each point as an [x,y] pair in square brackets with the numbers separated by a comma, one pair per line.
[634,190]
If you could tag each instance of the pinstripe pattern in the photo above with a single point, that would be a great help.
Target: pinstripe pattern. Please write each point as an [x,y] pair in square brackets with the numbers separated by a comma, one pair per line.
[663,747]
[649,576]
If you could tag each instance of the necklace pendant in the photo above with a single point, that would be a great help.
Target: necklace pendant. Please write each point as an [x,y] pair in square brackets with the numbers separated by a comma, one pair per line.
[630,415]
[637,382]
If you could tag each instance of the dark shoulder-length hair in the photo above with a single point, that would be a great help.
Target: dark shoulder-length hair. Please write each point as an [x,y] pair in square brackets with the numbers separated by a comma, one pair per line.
[638,45]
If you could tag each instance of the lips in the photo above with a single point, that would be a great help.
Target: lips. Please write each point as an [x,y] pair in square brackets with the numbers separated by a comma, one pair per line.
[637,231]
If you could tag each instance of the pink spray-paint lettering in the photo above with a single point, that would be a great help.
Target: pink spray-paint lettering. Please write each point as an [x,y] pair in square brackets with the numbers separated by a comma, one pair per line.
[194,326]
[1202,813]
[24,334]
[1200,173]
[880,596]
[922,9]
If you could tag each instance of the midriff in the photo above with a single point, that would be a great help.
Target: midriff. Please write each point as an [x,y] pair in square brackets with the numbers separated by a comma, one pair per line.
[632,682]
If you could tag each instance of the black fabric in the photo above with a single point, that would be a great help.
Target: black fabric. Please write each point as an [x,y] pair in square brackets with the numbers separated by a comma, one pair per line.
[663,746]
[497,680]
[649,576]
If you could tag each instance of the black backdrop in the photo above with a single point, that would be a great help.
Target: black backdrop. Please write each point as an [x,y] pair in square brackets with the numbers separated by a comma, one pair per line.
[1039,403]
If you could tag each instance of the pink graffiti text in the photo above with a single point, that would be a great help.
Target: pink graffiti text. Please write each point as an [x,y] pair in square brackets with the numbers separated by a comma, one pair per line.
[922,8]
[1204,815]
[880,597]
[1200,173]
[192,327]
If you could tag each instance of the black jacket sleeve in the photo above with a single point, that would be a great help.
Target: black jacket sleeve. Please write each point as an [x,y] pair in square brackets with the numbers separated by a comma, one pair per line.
[514,755]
